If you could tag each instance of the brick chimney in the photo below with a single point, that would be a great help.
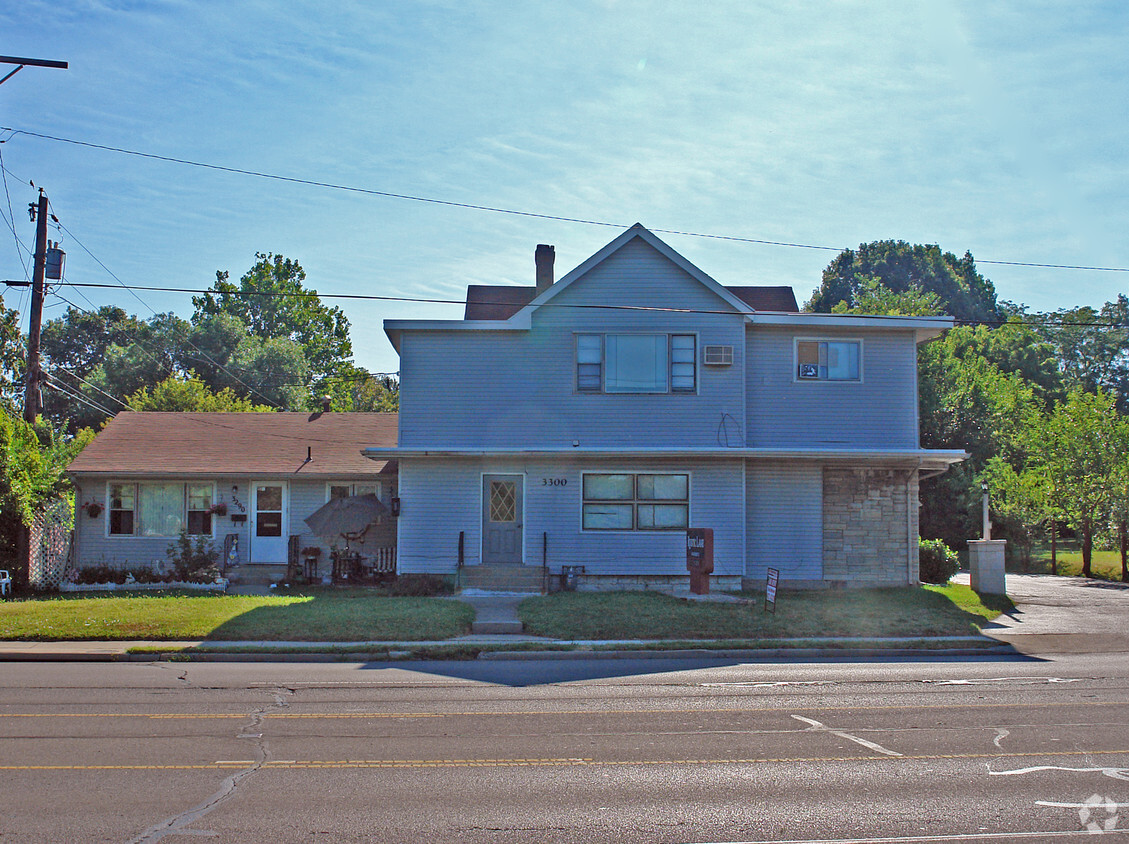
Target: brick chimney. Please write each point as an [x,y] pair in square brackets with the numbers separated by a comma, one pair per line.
[544,257]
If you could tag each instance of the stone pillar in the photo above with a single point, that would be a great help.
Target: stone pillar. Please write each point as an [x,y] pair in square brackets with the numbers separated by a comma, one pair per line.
[986,563]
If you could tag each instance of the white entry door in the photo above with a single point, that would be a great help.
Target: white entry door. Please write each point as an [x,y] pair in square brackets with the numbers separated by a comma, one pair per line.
[268,522]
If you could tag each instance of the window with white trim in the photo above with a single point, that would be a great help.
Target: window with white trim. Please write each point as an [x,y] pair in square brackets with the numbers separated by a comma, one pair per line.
[629,501]
[828,360]
[344,489]
[636,363]
[160,509]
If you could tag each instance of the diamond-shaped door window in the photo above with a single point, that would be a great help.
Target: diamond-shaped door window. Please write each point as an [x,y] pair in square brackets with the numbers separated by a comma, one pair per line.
[503,501]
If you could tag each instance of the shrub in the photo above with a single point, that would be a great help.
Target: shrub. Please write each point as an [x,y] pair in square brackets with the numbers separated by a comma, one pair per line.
[420,586]
[100,574]
[938,562]
[194,561]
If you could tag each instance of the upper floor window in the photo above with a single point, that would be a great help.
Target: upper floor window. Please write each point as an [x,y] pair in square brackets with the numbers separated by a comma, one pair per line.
[828,360]
[636,363]
[160,509]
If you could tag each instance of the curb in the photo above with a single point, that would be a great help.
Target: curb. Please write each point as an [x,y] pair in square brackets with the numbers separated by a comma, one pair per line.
[315,656]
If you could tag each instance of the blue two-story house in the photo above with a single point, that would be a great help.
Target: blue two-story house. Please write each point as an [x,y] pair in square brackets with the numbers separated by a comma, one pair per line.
[590,421]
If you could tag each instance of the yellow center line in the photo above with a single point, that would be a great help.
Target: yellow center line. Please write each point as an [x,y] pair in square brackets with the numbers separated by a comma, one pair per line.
[563,762]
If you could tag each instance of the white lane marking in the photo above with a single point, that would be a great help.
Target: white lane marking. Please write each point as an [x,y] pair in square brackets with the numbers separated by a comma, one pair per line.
[1114,773]
[912,839]
[980,681]
[1001,734]
[766,684]
[817,727]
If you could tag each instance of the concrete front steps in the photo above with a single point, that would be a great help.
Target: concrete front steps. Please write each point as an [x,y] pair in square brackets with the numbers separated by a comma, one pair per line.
[256,574]
[498,578]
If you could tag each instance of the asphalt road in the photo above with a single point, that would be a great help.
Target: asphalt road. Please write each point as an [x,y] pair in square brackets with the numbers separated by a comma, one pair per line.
[1021,749]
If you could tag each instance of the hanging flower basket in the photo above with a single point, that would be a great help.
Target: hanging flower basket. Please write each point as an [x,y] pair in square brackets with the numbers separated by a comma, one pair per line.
[93,509]
[219,509]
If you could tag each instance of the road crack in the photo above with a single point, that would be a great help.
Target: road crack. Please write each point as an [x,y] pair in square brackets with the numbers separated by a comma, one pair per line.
[250,731]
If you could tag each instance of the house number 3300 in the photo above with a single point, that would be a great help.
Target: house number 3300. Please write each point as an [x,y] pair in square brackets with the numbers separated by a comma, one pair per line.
[554,481]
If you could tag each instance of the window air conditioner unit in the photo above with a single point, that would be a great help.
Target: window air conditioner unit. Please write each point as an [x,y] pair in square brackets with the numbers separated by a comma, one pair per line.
[718,356]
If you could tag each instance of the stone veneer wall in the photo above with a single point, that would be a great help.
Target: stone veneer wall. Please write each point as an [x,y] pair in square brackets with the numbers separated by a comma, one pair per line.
[869,539]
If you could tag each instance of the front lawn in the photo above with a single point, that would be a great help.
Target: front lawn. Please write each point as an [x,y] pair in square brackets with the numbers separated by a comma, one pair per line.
[310,615]
[950,610]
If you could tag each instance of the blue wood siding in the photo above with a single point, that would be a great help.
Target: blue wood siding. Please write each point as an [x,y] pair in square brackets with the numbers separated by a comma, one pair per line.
[517,389]
[785,520]
[442,496]
[878,412]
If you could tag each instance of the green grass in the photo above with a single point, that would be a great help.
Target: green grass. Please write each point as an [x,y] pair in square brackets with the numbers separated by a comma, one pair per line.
[1105,565]
[950,610]
[309,615]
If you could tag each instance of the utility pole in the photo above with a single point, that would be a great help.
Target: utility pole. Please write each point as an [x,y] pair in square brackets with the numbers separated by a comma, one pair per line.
[33,396]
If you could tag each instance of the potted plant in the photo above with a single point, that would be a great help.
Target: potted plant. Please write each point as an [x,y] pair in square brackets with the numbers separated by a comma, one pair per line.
[93,508]
[219,508]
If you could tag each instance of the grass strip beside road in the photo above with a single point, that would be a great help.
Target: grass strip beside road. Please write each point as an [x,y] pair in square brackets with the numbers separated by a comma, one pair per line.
[359,615]
[950,610]
[314,616]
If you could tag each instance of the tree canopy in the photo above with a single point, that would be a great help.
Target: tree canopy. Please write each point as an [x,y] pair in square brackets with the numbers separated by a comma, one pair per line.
[900,267]
[272,301]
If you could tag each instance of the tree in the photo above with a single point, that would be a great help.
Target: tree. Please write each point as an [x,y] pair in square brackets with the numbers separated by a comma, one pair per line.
[369,393]
[178,394]
[1073,467]
[32,460]
[272,301]
[1092,348]
[93,373]
[11,357]
[873,297]
[900,267]
[78,340]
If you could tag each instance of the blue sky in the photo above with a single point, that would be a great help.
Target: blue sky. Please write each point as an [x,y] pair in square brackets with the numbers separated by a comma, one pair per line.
[998,128]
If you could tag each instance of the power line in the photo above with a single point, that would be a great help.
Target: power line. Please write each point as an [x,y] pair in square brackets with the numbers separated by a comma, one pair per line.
[79,397]
[142,301]
[10,219]
[494,209]
[590,306]
[75,375]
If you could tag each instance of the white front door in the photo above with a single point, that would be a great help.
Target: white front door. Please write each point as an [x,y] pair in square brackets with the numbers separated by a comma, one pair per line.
[268,522]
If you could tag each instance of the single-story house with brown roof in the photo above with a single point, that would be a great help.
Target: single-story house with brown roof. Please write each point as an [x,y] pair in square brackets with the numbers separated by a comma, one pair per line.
[246,481]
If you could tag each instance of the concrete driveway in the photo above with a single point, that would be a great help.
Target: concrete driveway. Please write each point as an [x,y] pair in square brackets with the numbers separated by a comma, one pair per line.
[1058,615]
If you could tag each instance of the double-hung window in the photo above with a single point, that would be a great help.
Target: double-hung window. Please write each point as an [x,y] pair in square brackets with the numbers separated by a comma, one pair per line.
[636,363]
[828,360]
[160,509]
[628,501]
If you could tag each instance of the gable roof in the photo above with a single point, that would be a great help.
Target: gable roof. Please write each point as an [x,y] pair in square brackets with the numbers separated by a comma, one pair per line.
[499,301]
[274,444]
[647,236]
